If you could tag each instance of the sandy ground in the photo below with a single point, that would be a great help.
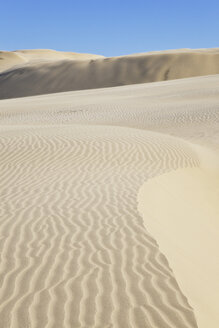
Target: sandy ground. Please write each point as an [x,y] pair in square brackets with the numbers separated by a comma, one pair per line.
[75,249]
[181,210]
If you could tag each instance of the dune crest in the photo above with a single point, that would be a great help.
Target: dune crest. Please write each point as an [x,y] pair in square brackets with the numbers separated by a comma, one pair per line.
[10,60]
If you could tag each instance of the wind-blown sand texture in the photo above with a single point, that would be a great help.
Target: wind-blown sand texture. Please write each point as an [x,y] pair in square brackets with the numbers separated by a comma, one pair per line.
[34,72]
[75,251]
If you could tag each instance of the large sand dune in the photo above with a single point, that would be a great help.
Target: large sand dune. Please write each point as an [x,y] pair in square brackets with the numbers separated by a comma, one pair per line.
[34,72]
[75,251]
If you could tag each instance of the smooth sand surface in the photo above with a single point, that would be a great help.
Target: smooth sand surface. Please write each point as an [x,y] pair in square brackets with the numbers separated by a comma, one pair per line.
[10,60]
[34,72]
[75,250]
[181,210]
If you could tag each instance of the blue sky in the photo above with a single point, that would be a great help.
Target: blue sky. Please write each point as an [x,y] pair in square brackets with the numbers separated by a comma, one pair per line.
[109,27]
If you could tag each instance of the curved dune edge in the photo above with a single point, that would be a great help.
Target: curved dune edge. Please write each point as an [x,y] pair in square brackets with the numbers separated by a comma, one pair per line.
[80,244]
[181,210]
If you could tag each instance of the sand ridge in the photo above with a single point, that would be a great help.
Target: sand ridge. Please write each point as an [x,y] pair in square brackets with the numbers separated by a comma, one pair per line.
[35,72]
[10,60]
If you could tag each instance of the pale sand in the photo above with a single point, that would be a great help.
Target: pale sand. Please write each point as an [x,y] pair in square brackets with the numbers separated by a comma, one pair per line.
[75,252]
[181,210]
[34,72]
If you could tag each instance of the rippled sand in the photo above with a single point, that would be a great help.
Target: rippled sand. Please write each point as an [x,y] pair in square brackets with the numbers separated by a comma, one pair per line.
[75,251]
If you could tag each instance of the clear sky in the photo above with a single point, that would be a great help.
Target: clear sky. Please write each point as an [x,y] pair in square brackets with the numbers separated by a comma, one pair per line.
[110,28]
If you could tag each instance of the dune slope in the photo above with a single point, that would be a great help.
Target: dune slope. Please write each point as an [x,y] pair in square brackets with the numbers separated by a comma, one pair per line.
[35,72]
[75,251]
[181,210]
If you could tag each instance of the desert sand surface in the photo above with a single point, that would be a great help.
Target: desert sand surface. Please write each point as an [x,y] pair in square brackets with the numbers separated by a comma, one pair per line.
[34,72]
[181,210]
[78,247]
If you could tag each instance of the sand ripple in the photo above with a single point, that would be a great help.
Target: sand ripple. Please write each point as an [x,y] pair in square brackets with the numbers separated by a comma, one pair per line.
[74,248]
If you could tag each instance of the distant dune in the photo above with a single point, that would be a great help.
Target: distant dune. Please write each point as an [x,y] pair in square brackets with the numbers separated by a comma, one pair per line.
[35,72]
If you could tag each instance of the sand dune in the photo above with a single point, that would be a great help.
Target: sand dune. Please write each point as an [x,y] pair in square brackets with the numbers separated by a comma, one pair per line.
[75,251]
[16,59]
[35,72]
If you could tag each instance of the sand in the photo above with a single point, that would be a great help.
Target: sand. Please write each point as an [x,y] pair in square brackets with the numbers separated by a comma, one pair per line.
[77,248]
[34,72]
[181,210]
